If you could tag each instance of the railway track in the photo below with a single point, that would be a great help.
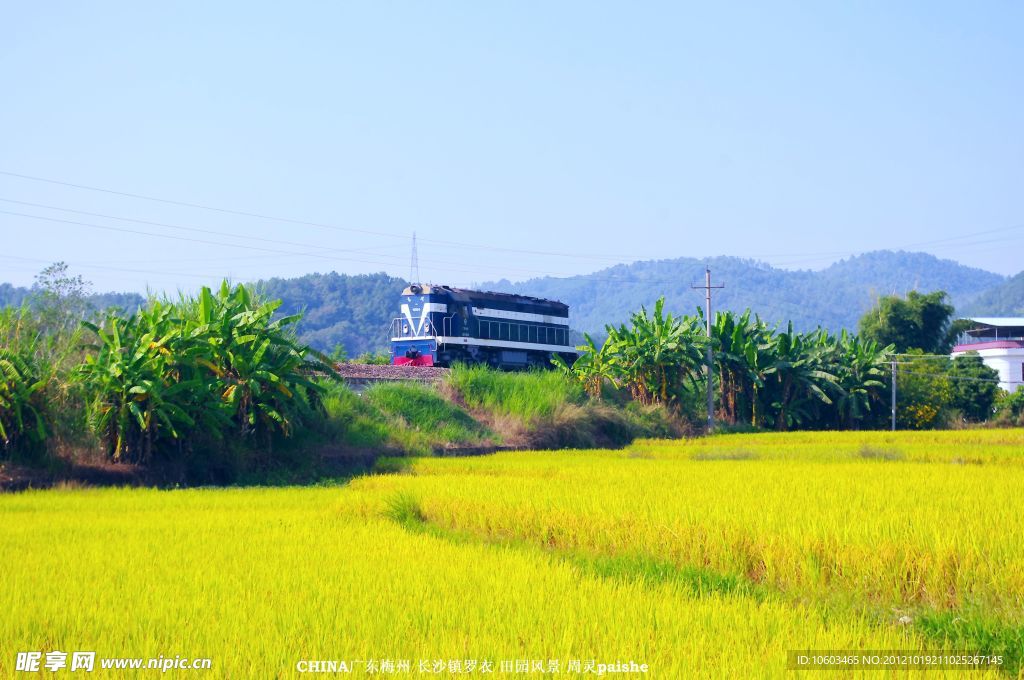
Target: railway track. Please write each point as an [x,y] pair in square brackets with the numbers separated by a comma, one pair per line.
[359,376]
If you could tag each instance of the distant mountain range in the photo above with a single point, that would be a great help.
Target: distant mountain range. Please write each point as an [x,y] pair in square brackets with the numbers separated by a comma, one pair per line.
[355,310]
[1006,299]
[15,296]
[835,297]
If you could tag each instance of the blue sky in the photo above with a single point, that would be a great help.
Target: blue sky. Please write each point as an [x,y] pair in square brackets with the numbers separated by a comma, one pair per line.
[587,133]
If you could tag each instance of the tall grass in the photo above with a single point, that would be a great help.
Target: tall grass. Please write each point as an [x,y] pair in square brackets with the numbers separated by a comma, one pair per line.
[407,417]
[527,396]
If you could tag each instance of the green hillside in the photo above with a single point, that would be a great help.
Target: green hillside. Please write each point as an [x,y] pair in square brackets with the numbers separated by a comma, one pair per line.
[15,296]
[355,310]
[1006,299]
[340,309]
[834,297]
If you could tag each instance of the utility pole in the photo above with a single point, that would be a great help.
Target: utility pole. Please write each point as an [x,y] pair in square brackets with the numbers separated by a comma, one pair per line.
[893,395]
[710,359]
[414,268]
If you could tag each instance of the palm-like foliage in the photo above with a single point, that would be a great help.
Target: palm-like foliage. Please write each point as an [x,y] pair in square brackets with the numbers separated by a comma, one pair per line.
[860,367]
[28,360]
[207,366]
[264,372]
[785,379]
[21,400]
[797,377]
[133,377]
[595,366]
[741,348]
[657,354]
[654,356]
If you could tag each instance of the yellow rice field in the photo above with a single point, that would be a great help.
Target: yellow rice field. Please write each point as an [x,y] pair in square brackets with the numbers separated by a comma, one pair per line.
[703,558]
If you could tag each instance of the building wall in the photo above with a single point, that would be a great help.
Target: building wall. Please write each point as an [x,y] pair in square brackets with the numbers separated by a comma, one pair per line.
[1008,362]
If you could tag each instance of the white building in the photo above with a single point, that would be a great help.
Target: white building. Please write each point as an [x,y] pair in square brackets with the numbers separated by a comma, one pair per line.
[1000,343]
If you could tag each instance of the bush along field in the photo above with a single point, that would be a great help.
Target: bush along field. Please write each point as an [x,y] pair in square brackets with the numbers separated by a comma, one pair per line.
[713,557]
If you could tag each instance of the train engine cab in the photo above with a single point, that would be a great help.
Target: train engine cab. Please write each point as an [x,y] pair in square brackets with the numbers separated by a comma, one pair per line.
[441,325]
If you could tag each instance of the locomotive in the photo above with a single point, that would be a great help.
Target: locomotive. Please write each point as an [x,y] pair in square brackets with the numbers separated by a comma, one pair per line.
[441,325]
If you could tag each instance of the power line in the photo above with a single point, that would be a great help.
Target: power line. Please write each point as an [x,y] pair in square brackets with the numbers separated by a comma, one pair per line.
[119,269]
[187,228]
[229,245]
[215,232]
[321,225]
[458,244]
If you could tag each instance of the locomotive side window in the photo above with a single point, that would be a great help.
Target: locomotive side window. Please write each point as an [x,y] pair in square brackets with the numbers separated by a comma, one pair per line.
[504,331]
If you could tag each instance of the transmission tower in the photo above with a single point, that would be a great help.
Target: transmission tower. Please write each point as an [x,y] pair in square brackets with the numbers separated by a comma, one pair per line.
[414,269]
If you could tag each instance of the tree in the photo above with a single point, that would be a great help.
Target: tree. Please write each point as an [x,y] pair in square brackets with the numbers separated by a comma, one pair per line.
[974,387]
[211,366]
[59,298]
[1009,407]
[923,391]
[796,379]
[658,354]
[736,340]
[920,321]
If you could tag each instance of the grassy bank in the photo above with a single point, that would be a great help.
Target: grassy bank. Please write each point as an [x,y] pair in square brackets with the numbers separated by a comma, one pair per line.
[477,407]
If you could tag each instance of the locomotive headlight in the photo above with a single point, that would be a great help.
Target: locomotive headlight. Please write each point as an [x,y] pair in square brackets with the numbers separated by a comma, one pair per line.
[405,328]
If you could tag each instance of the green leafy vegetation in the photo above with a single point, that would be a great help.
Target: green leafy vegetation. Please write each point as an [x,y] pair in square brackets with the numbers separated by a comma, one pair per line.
[339,310]
[213,365]
[921,321]
[218,386]
[766,377]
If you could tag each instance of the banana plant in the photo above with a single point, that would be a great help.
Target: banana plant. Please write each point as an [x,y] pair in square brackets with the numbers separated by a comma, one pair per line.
[657,354]
[263,376]
[22,394]
[595,366]
[129,373]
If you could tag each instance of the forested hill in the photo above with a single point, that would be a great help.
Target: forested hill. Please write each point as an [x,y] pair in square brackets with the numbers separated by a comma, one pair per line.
[15,296]
[835,297]
[354,311]
[1006,299]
